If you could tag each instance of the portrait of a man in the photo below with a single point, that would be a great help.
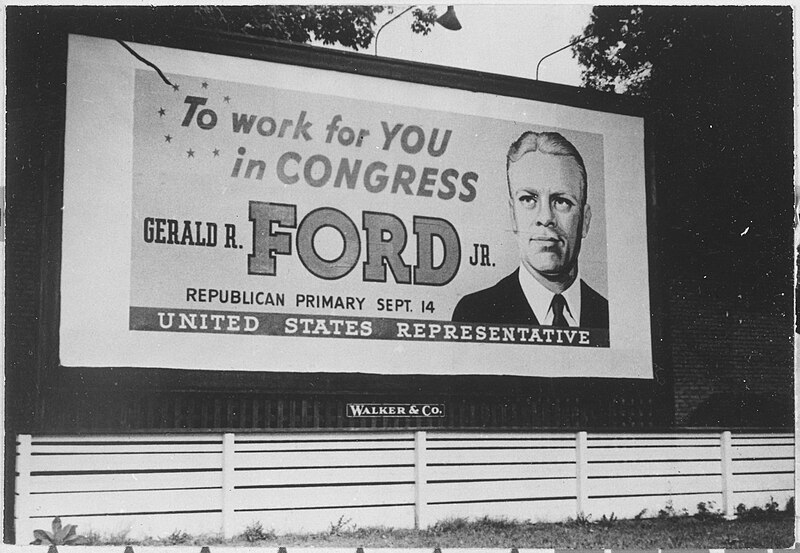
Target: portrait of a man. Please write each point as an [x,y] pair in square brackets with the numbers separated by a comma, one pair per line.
[547,194]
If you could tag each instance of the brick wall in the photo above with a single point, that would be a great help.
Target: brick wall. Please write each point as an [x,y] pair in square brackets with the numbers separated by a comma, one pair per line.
[730,360]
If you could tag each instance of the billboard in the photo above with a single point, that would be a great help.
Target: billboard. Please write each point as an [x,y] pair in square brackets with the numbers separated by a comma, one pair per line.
[238,214]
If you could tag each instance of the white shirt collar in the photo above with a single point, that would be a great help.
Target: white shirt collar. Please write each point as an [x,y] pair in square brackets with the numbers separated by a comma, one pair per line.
[540,298]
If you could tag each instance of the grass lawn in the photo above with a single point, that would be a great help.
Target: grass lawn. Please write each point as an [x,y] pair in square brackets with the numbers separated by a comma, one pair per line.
[773,532]
[685,532]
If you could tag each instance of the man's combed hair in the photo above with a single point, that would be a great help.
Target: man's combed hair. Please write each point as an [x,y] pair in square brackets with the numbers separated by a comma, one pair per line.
[551,143]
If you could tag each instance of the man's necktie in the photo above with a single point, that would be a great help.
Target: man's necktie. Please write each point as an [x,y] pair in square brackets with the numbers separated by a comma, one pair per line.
[557,305]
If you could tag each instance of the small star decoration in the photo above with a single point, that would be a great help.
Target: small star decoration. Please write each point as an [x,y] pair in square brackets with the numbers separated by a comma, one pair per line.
[162,112]
[168,138]
[227,99]
[176,88]
[190,152]
[204,85]
[216,152]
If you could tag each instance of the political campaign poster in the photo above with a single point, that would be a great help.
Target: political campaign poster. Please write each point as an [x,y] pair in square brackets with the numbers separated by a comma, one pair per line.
[229,214]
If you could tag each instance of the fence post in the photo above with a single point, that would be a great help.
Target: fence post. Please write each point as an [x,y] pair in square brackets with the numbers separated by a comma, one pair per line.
[726,457]
[228,449]
[582,472]
[22,508]
[420,479]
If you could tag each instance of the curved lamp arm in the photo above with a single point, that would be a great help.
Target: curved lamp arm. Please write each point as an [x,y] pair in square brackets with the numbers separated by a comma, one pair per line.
[448,20]
[573,43]
[385,24]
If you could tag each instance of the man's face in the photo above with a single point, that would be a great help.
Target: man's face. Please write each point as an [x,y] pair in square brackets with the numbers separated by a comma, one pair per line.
[549,213]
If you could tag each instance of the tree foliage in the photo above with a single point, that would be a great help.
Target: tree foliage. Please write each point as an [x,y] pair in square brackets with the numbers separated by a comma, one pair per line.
[349,26]
[718,84]
[617,56]
[652,49]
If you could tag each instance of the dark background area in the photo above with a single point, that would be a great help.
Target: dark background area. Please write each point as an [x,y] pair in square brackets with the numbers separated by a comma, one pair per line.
[722,297]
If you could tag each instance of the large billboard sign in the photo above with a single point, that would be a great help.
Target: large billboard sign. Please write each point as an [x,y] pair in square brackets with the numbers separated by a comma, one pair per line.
[239,214]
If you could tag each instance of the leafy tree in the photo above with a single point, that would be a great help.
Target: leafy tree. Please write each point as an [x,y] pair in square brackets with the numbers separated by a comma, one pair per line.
[349,26]
[719,85]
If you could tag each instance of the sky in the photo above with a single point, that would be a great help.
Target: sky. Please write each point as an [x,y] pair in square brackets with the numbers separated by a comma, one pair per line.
[506,39]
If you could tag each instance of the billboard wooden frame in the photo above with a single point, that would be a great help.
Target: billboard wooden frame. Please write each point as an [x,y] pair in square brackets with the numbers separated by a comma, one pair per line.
[52,379]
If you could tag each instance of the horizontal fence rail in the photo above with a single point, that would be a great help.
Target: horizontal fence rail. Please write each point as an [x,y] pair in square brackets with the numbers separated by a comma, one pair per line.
[153,485]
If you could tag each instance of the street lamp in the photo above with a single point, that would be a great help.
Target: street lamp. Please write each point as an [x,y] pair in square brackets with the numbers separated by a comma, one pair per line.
[448,20]
[573,43]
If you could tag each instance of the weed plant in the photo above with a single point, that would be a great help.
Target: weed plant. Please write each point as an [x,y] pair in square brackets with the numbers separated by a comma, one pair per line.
[769,511]
[60,535]
[255,533]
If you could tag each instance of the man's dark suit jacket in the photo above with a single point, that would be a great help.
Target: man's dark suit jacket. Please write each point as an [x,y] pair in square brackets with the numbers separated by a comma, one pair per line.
[505,303]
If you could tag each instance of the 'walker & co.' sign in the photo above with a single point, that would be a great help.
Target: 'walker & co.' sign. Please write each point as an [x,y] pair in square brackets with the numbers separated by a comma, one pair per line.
[355,410]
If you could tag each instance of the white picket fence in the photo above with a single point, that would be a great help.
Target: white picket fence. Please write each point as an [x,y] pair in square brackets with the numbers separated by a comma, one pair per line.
[152,485]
